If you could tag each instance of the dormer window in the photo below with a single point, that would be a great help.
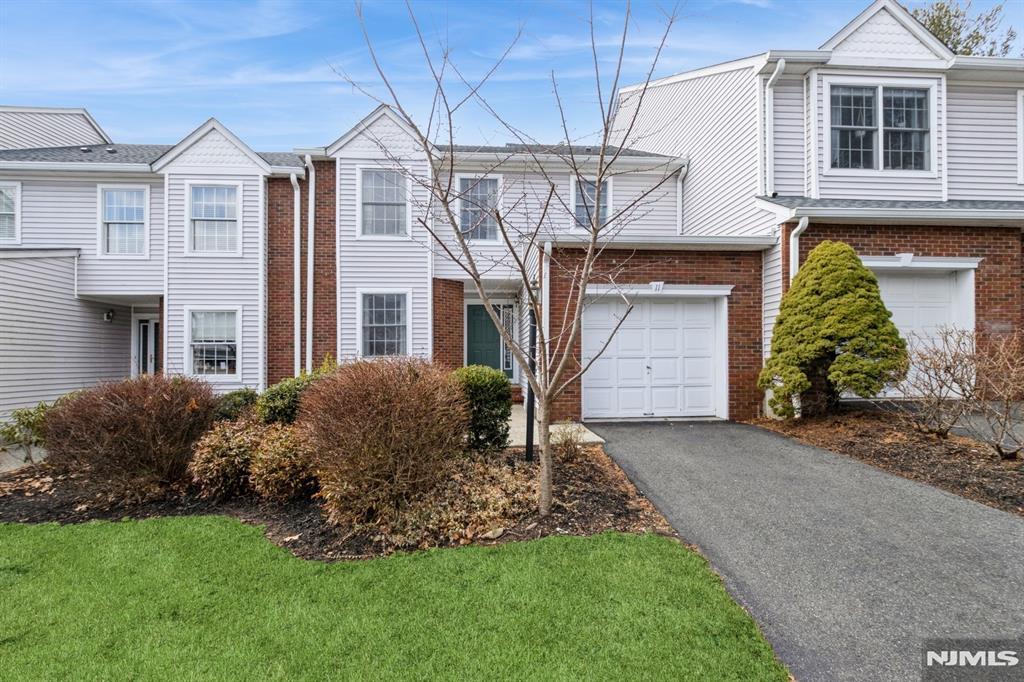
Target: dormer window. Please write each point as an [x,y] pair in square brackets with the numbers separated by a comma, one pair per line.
[880,128]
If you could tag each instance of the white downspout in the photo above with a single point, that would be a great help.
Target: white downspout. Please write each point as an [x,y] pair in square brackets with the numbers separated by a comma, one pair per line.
[310,232]
[780,66]
[794,246]
[679,197]
[297,274]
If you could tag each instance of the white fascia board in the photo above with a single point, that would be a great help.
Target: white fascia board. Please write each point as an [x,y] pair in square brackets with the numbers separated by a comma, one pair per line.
[664,290]
[756,61]
[988,63]
[798,62]
[910,214]
[903,261]
[74,166]
[38,253]
[523,160]
[285,171]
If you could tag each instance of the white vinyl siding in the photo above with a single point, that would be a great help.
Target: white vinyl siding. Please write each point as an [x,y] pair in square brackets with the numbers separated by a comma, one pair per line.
[35,129]
[712,120]
[63,212]
[10,212]
[52,342]
[789,137]
[213,218]
[383,205]
[983,142]
[771,279]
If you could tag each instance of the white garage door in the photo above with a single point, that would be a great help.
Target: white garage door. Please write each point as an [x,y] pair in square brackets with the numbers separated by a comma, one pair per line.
[920,303]
[661,362]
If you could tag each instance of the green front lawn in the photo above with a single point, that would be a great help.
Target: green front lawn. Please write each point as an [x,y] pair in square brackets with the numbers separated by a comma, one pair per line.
[208,597]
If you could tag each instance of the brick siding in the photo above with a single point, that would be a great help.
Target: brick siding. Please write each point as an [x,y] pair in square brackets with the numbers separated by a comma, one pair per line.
[999,292]
[280,332]
[449,310]
[742,269]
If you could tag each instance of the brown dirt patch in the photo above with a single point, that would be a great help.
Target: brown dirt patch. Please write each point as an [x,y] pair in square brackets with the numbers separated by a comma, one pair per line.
[592,495]
[958,465]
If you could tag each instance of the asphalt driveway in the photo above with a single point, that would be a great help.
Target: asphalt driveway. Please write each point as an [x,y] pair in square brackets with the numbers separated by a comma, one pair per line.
[846,568]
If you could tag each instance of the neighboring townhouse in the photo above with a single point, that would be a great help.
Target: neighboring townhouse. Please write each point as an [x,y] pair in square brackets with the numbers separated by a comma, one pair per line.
[199,259]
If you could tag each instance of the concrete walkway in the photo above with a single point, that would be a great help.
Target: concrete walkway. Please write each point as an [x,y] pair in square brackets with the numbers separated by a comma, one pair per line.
[517,430]
[846,568]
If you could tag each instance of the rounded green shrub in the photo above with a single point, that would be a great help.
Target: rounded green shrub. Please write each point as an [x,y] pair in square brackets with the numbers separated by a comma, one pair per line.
[833,335]
[281,468]
[489,395]
[280,403]
[220,464]
[234,404]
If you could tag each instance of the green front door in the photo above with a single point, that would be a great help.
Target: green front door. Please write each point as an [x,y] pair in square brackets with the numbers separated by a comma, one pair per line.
[483,343]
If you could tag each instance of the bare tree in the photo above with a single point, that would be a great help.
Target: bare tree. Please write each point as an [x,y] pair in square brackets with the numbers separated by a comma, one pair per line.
[533,211]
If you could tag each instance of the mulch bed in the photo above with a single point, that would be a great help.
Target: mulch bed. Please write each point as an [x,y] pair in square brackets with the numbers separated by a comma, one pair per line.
[958,465]
[591,495]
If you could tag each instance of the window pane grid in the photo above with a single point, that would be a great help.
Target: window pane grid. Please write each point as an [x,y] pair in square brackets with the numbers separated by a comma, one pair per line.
[124,215]
[853,127]
[905,119]
[214,218]
[384,325]
[478,201]
[903,130]
[585,193]
[383,202]
[213,342]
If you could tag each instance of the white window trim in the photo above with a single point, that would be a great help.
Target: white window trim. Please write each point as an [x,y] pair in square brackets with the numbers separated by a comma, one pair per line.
[609,201]
[501,201]
[187,359]
[1020,137]
[515,329]
[239,202]
[359,205]
[360,292]
[16,185]
[101,251]
[879,83]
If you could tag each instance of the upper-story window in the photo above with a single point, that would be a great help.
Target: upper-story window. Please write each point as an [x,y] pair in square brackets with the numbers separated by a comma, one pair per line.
[383,203]
[214,219]
[878,127]
[10,212]
[123,220]
[478,201]
[586,198]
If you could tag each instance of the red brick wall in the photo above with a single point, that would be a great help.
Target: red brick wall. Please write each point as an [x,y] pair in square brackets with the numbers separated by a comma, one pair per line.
[999,293]
[280,308]
[742,269]
[449,300]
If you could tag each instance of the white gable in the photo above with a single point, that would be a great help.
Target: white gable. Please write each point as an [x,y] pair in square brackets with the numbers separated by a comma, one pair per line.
[213,149]
[883,36]
[381,130]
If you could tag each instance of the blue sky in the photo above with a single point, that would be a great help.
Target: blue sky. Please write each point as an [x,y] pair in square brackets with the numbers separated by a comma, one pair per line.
[153,71]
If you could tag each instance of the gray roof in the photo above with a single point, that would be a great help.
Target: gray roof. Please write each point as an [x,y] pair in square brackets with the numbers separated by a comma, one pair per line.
[953,205]
[123,153]
[560,149]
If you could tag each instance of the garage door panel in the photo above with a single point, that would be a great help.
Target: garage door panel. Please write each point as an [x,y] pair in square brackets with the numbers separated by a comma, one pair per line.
[660,363]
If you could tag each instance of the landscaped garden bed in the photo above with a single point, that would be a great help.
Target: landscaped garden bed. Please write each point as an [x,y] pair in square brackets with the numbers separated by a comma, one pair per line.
[956,464]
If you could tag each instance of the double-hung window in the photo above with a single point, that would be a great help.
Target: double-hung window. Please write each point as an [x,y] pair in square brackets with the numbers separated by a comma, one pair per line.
[385,324]
[214,219]
[586,199]
[880,127]
[478,202]
[213,342]
[123,220]
[383,203]
[10,212]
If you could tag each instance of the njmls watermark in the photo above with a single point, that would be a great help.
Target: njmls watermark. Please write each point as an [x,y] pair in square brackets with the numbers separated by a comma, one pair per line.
[973,659]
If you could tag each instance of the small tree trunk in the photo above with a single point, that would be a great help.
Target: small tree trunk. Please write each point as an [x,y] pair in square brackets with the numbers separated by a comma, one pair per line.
[544,434]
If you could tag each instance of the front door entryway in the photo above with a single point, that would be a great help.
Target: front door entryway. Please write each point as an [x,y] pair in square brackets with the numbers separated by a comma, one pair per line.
[146,346]
[483,342]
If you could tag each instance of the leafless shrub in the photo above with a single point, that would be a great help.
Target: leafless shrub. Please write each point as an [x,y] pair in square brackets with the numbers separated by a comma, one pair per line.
[135,431]
[381,433]
[997,418]
[567,441]
[939,385]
